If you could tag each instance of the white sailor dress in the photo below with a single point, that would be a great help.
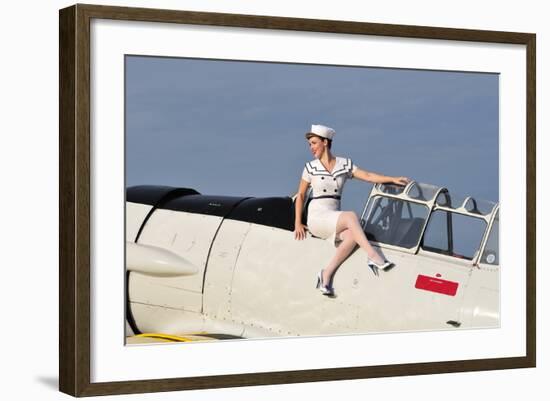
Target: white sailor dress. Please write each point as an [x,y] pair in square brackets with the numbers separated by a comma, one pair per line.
[324,205]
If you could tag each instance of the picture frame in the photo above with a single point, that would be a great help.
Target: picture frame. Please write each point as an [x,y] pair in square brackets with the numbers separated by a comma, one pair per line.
[76,199]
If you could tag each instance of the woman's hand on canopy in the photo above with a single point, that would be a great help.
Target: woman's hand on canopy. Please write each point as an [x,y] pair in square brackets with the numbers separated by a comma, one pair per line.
[401,180]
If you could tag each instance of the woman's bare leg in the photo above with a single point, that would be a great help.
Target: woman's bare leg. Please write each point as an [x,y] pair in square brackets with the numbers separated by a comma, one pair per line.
[345,248]
[349,221]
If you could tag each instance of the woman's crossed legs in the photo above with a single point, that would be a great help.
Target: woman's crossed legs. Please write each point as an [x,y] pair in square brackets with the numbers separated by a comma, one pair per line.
[351,233]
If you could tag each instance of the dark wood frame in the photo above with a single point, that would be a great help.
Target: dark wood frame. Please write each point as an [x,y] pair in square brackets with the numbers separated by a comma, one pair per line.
[74,199]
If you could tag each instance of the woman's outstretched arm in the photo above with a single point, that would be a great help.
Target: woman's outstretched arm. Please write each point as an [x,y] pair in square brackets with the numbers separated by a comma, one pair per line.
[379,178]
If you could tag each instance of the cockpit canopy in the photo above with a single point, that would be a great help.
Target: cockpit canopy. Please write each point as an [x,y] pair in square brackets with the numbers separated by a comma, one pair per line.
[431,218]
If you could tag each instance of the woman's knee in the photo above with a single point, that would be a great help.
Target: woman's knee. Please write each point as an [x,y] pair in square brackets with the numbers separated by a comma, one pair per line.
[346,234]
[351,216]
[347,220]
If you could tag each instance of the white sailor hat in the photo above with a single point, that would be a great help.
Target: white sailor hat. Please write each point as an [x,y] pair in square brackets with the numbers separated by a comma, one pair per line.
[322,131]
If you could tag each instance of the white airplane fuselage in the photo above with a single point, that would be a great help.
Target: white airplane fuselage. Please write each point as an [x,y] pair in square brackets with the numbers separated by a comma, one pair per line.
[201,267]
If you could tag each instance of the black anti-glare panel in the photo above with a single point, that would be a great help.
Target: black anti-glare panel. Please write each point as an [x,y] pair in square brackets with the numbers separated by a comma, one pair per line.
[204,204]
[273,212]
[154,194]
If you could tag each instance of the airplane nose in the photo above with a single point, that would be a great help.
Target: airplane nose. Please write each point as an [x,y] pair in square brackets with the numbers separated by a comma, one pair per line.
[155,261]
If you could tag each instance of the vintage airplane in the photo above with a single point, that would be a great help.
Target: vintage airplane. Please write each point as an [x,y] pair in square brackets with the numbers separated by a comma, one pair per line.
[229,267]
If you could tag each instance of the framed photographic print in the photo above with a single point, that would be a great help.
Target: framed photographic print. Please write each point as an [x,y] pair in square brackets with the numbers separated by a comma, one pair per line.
[203,215]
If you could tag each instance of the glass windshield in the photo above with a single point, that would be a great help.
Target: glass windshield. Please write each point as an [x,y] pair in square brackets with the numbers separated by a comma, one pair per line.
[422,192]
[490,253]
[453,234]
[394,221]
[470,204]
[391,189]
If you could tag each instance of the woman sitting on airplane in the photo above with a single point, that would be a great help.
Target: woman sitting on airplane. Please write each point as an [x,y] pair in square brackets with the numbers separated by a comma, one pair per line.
[327,175]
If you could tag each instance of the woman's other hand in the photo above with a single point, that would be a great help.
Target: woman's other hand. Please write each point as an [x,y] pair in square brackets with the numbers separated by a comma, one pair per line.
[300,231]
[401,180]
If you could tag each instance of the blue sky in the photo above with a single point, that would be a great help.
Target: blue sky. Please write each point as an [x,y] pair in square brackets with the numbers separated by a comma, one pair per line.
[237,128]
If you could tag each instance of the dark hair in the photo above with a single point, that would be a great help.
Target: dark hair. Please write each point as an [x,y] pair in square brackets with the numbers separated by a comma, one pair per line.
[329,141]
